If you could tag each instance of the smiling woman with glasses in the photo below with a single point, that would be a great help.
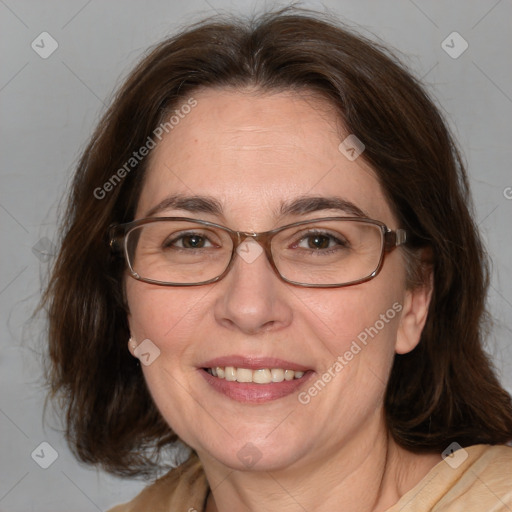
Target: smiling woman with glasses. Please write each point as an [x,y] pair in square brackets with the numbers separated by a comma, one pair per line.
[293,263]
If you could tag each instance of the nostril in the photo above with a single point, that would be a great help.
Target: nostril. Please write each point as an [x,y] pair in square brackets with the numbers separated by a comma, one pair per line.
[268,326]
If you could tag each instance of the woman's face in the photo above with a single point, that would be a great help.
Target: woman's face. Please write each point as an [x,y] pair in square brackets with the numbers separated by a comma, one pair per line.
[252,153]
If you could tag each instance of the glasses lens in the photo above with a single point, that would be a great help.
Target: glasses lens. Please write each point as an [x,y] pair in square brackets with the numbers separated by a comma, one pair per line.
[328,252]
[179,252]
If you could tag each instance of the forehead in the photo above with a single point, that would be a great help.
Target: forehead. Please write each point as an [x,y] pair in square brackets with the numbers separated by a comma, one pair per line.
[253,151]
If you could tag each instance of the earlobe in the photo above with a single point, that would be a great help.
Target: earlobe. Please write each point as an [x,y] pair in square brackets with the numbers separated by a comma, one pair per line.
[414,315]
[132,345]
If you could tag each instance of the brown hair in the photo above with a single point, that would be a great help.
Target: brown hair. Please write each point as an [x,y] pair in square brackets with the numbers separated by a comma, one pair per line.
[445,390]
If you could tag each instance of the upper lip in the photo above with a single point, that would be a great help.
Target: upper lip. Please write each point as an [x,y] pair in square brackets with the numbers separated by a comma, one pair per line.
[254,363]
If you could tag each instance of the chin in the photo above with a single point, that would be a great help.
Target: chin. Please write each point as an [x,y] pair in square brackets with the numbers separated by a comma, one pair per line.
[253,456]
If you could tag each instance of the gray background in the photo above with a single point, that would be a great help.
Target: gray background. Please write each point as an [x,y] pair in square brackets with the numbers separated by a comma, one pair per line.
[48,110]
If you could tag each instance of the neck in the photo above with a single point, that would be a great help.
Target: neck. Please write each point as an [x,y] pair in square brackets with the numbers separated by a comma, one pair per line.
[360,476]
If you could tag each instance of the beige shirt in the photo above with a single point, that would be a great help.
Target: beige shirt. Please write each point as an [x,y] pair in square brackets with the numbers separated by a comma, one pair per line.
[480,483]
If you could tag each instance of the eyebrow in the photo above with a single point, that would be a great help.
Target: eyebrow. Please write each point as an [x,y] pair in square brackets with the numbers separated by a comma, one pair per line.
[310,204]
[193,204]
[299,206]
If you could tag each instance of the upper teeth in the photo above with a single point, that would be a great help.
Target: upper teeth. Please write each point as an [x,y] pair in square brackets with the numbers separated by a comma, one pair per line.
[263,376]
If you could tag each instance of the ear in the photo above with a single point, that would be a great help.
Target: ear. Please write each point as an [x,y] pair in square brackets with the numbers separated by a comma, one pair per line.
[132,345]
[414,316]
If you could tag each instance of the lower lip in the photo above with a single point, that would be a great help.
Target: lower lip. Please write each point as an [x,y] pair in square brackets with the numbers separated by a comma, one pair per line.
[255,393]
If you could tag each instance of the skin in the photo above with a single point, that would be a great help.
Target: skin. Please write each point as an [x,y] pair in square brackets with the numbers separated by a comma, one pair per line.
[251,152]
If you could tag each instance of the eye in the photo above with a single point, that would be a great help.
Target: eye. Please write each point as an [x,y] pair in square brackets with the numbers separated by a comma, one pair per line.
[188,241]
[320,241]
[317,241]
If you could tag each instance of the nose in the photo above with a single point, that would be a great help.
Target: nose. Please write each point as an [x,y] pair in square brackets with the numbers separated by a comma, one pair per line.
[252,298]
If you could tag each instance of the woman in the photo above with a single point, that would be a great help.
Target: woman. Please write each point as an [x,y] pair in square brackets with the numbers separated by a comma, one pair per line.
[274,218]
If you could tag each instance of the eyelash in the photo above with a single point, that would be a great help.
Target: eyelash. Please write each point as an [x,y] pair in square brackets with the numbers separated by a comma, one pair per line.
[171,243]
[330,250]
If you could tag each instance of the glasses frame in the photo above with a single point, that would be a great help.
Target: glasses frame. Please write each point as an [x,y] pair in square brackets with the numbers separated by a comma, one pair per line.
[118,234]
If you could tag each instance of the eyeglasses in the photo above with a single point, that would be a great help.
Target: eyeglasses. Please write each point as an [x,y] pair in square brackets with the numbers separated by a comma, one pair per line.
[322,253]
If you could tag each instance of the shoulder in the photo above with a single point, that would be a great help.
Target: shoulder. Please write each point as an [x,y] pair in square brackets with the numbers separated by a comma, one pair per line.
[183,488]
[472,479]
[486,482]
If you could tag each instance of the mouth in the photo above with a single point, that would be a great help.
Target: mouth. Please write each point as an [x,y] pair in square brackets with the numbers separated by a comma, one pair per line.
[254,380]
[259,376]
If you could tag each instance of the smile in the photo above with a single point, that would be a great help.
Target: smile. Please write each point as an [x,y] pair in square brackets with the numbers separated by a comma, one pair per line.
[258,376]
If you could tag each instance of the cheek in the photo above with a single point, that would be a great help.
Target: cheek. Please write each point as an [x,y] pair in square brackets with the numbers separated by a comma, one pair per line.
[356,329]
[354,313]
[169,318]
[163,315]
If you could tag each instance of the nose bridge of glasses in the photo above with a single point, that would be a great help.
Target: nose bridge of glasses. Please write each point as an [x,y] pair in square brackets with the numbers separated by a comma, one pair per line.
[260,238]
[243,235]
[263,239]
